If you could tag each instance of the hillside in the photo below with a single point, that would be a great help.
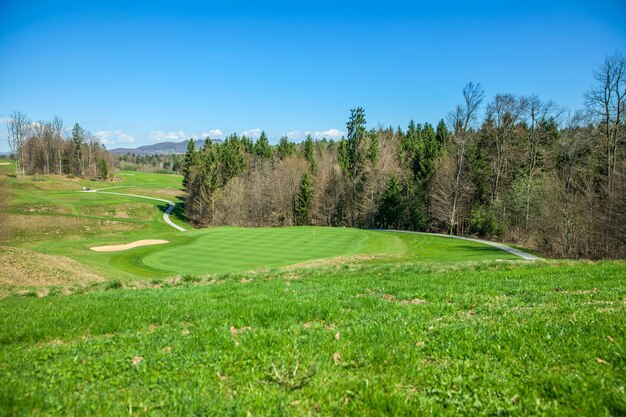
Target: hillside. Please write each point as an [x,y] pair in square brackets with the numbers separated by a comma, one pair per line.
[161,148]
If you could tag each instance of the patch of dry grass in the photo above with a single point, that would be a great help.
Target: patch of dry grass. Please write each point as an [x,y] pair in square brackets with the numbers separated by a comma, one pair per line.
[136,211]
[27,226]
[23,267]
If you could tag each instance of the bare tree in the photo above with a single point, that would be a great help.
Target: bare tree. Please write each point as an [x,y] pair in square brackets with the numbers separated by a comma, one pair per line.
[461,123]
[57,131]
[538,114]
[606,102]
[19,128]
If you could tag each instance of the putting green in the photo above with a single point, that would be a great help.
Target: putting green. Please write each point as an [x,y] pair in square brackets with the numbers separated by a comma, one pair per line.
[227,249]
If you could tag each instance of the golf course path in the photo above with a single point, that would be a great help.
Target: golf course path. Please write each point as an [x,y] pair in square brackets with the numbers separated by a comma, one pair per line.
[514,251]
[166,215]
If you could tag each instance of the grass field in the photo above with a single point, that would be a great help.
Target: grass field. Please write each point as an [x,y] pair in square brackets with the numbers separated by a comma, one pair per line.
[488,338]
[289,321]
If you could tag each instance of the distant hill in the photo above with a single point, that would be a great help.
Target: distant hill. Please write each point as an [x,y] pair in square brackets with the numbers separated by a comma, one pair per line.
[161,148]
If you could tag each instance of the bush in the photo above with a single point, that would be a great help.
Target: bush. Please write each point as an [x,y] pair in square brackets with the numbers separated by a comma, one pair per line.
[483,223]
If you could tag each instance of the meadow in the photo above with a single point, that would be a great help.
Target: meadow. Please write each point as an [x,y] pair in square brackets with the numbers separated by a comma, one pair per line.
[290,321]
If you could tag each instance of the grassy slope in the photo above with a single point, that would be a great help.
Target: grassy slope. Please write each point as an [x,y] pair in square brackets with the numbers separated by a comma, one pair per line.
[480,338]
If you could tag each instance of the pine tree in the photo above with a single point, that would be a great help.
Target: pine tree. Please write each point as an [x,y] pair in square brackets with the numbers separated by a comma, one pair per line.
[285,149]
[78,137]
[356,153]
[104,171]
[232,157]
[262,148]
[442,135]
[191,160]
[391,206]
[308,152]
[373,150]
[304,201]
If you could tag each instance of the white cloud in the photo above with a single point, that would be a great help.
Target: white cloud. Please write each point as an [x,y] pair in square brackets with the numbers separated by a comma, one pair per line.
[328,134]
[213,133]
[161,136]
[114,137]
[294,134]
[252,133]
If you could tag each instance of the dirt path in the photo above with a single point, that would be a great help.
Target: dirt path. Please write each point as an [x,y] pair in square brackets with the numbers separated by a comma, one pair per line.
[524,255]
[166,215]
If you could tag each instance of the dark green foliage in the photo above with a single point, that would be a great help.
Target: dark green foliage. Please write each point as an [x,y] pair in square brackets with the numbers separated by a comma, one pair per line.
[308,152]
[78,137]
[355,151]
[248,144]
[483,223]
[262,148]
[442,135]
[392,205]
[205,180]
[103,169]
[233,156]
[190,162]
[480,173]
[304,201]
[373,149]
[285,148]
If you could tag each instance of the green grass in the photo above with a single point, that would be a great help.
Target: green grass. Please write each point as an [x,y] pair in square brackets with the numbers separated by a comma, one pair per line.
[359,323]
[480,338]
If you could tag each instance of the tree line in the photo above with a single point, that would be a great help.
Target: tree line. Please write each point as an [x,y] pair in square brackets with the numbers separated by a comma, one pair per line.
[516,167]
[43,147]
[157,163]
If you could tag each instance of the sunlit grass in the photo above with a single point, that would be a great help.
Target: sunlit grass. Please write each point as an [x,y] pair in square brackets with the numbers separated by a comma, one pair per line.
[430,338]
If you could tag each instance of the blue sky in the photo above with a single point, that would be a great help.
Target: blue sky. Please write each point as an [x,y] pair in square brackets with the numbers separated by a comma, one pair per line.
[136,72]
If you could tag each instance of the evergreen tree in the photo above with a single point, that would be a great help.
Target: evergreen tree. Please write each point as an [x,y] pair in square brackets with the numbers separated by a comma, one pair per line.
[304,201]
[391,206]
[203,183]
[285,149]
[442,135]
[78,137]
[232,157]
[373,150]
[356,154]
[262,148]
[248,144]
[191,160]
[104,171]
[308,152]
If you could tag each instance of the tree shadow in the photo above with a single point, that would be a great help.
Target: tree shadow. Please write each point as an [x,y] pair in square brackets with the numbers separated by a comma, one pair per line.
[482,248]
[178,213]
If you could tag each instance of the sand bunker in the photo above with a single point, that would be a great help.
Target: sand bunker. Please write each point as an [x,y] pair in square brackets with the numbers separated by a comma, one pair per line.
[116,248]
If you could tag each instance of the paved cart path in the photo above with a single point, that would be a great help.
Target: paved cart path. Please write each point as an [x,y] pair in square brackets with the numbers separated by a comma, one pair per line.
[166,215]
[501,246]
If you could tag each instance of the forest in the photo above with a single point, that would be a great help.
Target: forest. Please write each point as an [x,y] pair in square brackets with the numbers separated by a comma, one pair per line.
[42,148]
[513,167]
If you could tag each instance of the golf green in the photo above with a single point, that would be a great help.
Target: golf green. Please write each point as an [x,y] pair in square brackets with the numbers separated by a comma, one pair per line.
[228,249]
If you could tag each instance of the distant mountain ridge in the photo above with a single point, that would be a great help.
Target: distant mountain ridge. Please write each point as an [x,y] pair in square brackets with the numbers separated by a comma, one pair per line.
[161,148]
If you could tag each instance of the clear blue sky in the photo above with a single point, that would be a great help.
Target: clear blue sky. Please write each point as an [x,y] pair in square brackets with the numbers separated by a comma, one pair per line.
[141,72]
